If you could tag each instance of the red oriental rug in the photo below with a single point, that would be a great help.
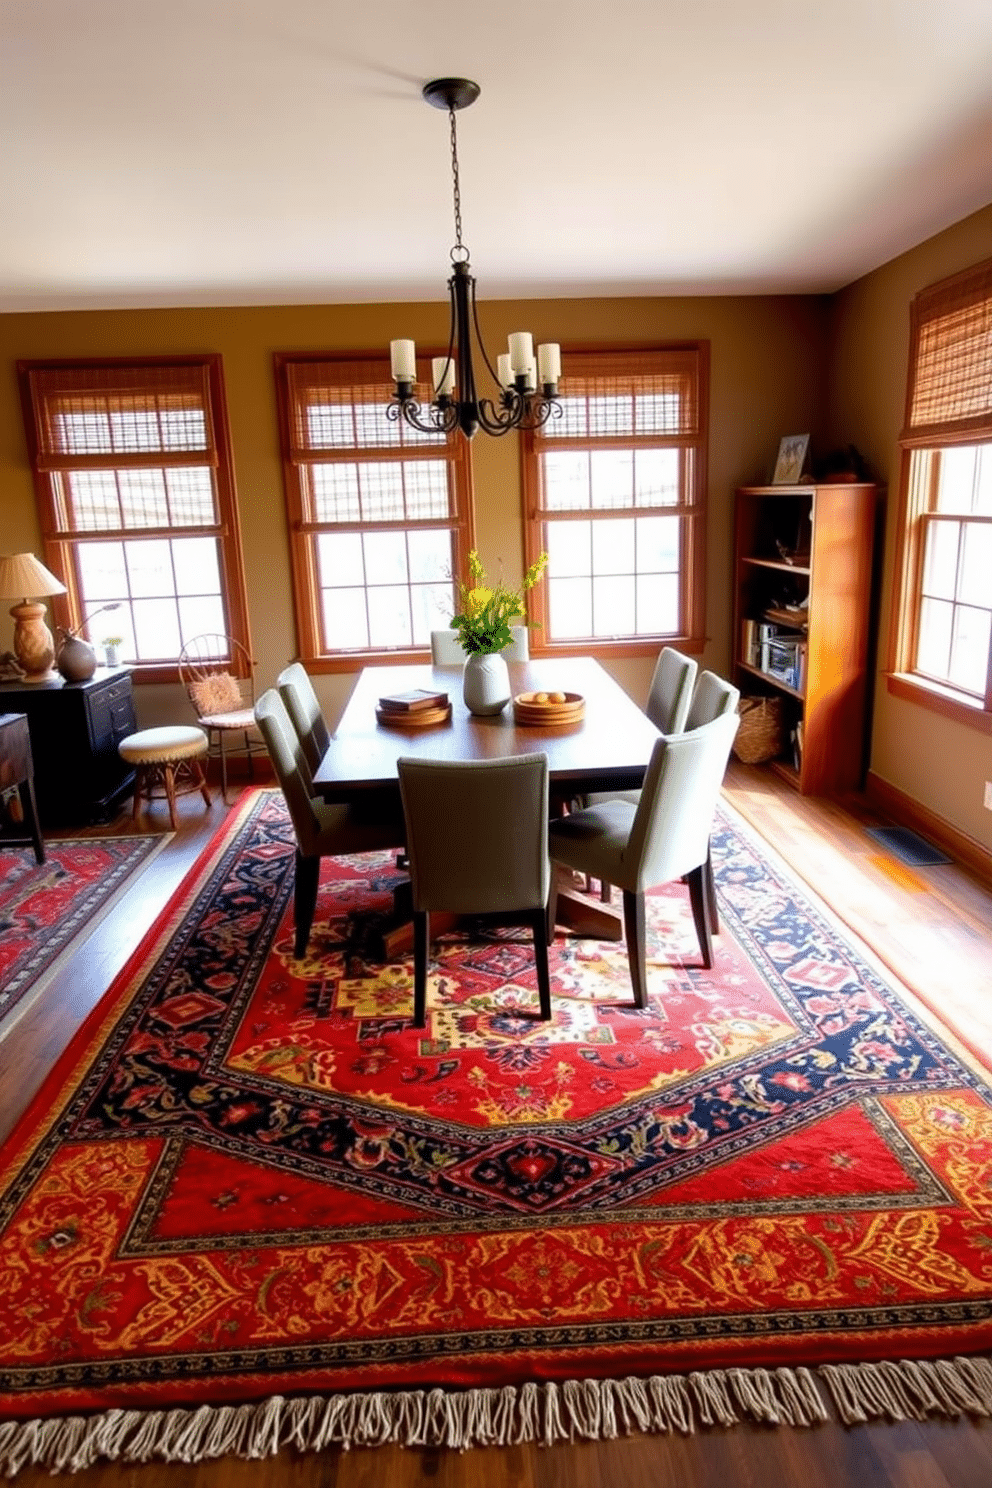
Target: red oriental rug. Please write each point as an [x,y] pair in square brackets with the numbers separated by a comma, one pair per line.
[48,910]
[254,1205]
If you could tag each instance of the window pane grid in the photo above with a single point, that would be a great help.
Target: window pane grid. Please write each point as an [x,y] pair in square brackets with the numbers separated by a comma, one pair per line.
[954,624]
[111,499]
[651,406]
[384,590]
[612,578]
[167,590]
[379,491]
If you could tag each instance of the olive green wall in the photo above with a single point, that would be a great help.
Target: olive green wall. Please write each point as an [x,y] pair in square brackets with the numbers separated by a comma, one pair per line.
[936,761]
[768,358]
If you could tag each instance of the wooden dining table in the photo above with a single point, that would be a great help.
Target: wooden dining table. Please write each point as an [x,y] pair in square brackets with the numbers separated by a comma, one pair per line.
[608,748]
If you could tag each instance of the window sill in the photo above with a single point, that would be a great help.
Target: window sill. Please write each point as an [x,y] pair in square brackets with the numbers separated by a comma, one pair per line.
[929,695]
[643,646]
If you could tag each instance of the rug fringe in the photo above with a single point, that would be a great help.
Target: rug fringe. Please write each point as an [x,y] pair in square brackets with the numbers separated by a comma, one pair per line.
[910,1389]
[575,1410]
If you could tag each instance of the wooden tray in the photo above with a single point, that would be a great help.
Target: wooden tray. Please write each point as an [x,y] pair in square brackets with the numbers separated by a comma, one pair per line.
[528,711]
[417,718]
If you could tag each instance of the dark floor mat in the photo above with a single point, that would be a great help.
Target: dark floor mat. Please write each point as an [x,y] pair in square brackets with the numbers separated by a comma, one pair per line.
[908,847]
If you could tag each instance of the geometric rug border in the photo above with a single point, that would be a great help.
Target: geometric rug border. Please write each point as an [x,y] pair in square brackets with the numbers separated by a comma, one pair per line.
[12,1016]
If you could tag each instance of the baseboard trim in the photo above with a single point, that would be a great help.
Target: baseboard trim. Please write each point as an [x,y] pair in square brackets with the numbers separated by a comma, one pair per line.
[909,813]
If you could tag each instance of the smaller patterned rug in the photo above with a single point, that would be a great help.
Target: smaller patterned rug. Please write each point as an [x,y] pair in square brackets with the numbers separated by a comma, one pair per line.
[48,910]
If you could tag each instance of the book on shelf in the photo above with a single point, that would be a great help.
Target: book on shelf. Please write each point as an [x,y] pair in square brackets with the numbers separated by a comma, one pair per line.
[411,702]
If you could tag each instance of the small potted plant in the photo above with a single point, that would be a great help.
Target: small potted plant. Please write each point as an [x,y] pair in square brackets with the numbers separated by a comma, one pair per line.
[112,649]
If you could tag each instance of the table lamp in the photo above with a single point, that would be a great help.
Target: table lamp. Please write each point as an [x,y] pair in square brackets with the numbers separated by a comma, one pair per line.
[23,578]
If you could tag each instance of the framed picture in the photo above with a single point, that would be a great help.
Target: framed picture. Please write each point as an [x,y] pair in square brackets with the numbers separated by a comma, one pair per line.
[791,459]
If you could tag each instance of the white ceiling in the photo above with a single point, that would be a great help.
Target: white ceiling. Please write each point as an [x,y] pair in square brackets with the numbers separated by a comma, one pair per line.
[206,152]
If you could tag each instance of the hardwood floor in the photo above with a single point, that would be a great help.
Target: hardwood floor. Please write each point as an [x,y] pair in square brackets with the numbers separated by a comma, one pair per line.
[931,926]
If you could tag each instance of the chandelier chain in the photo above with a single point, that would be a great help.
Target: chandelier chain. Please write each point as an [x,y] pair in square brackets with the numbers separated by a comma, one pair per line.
[456,192]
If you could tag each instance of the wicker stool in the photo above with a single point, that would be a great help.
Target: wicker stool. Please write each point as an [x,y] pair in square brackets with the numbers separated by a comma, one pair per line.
[166,763]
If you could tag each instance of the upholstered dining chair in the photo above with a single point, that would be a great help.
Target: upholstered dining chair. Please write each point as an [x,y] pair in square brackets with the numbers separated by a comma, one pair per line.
[477,842]
[218,675]
[446,648]
[667,706]
[305,713]
[519,647]
[321,830]
[712,697]
[664,837]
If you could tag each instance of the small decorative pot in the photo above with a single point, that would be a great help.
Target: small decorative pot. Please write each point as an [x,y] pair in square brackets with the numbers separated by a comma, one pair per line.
[485,683]
[76,659]
[112,653]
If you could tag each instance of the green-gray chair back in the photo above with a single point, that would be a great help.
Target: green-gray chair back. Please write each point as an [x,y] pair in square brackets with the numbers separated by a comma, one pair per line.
[670,692]
[664,836]
[321,830]
[477,843]
[711,698]
[306,716]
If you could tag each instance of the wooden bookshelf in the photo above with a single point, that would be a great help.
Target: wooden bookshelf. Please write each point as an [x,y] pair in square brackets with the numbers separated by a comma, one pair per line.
[829,530]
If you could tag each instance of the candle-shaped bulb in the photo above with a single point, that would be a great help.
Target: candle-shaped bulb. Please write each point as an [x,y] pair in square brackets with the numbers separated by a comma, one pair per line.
[403,360]
[443,370]
[504,371]
[521,351]
[549,362]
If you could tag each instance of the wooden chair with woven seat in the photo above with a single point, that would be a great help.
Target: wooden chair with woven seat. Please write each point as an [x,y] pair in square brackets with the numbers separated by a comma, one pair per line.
[218,675]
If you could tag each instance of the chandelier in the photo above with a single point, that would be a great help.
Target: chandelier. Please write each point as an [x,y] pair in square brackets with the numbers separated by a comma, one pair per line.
[517,373]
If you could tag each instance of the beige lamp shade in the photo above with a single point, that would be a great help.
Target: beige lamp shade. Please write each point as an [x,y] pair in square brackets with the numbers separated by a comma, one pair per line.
[23,578]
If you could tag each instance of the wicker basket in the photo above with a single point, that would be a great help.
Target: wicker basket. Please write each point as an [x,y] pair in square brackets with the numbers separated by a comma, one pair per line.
[761,735]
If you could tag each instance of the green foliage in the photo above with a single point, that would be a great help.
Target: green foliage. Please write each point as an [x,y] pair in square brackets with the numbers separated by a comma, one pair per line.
[483,625]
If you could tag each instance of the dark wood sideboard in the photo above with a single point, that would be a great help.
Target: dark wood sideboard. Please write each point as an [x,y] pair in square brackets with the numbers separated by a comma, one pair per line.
[75,729]
[18,811]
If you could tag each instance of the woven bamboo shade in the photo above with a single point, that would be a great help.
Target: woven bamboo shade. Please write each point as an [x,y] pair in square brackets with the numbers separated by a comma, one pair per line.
[950,382]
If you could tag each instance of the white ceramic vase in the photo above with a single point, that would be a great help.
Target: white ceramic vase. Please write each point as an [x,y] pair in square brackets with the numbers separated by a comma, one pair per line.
[485,683]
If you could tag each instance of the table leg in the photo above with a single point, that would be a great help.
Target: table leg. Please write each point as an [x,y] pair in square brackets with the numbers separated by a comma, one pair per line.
[582,913]
[30,807]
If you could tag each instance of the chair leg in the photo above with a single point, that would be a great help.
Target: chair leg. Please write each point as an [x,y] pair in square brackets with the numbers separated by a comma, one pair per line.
[633,929]
[139,786]
[700,911]
[552,912]
[251,757]
[304,900]
[714,917]
[421,946]
[539,925]
[201,781]
[223,767]
[605,892]
[169,776]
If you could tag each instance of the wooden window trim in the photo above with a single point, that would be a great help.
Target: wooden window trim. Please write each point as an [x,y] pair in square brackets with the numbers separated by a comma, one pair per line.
[302,554]
[940,413]
[58,544]
[693,558]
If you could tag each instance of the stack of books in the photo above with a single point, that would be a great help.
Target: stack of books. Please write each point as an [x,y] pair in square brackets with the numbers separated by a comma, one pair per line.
[411,702]
[421,708]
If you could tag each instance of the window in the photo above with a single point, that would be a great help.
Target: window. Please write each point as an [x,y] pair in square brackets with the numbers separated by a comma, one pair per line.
[614,491]
[379,514]
[136,500]
[942,638]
